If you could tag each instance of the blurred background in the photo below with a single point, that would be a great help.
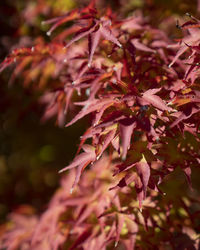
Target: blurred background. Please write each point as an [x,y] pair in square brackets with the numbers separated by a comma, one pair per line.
[32,152]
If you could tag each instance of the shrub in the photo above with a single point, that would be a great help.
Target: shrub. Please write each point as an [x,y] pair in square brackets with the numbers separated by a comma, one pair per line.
[141,92]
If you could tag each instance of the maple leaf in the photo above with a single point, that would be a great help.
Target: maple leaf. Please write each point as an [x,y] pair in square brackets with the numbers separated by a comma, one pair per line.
[144,172]
[182,49]
[182,116]
[133,229]
[82,237]
[191,41]
[187,171]
[94,32]
[126,129]
[60,20]
[127,179]
[108,138]
[141,46]
[120,222]
[150,97]
[93,106]
[81,161]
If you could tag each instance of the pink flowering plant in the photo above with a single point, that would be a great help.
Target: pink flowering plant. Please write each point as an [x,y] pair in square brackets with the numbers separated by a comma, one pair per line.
[141,93]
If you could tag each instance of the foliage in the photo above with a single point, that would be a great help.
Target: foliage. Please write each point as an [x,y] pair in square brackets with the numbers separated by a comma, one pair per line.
[142,93]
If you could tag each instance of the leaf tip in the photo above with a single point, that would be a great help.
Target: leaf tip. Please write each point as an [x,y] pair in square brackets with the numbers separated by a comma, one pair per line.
[97,158]
[123,157]
[116,243]
[48,33]
[71,190]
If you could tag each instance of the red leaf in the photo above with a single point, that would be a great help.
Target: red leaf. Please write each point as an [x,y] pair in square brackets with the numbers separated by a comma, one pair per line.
[141,46]
[83,158]
[60,20]
[190,24]
[178,54]
[126,180]
[126,133]
[82,32]
[120,222]
[86,110]
[132,229]
[88,148]
[187,172]
[182,117]
[143,170]
[69,93]
[155,100]
[115,143]
[93,43]
[83,237]
[107,140]
[107,34]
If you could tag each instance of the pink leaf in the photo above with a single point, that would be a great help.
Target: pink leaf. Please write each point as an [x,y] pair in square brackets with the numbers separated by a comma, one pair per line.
[81,239]
[184,117]
[83,69]
[108,138]
[111,119]
[107,34]
[115,143]
[81,33]
[88,148]
[152,91]
[141,46]
[81,159]
[139,191]
[178,54]
[120,222]
[187,172]
[132,229]
[68,99]
[79,170]
[85,214]
[126,133]
[93,43]
[60,20]
[155,100]
[126,180]
[97,106]
[144,173]
[99,115]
